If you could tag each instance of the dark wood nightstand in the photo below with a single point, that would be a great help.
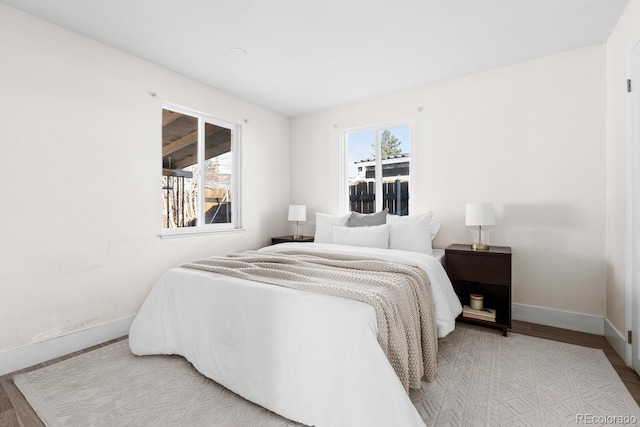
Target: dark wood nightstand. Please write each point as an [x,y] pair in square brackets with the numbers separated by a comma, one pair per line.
[487,273]
[284,239]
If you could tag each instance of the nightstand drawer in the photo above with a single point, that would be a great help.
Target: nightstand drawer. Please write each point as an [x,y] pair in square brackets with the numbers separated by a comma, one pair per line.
[495,269]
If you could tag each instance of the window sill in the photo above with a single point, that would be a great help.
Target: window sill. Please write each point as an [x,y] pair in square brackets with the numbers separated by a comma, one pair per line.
[187,232]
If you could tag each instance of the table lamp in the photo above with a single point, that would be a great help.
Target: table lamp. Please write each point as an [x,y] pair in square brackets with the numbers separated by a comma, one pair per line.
[297,213]
[480,214]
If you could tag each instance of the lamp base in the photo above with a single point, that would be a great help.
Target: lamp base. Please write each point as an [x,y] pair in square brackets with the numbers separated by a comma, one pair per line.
[479,247]
[297,237]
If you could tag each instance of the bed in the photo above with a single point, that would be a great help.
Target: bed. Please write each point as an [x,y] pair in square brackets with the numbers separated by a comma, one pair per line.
[312,358]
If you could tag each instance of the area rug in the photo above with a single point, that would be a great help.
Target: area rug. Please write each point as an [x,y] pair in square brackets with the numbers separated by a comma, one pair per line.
[484,379]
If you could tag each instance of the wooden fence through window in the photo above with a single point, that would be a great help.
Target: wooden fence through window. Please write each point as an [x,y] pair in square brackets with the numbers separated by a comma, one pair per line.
[395,196]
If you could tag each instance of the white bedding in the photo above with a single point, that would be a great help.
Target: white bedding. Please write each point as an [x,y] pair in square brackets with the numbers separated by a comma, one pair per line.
[439,255]
[309,357]
[447,304]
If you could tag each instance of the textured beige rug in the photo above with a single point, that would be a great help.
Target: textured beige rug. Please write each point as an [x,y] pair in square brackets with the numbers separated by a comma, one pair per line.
[483,379]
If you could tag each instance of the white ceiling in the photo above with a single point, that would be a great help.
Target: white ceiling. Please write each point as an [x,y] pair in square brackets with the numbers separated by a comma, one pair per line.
[306,55]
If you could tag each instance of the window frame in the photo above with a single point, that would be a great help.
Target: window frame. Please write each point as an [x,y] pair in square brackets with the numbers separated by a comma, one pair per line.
[236,213]
[377,129]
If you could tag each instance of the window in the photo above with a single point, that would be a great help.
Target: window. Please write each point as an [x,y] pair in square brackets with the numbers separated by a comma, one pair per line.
[378,168]
[199,172]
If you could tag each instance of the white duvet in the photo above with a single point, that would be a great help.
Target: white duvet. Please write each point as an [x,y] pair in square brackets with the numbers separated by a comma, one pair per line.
[309,357]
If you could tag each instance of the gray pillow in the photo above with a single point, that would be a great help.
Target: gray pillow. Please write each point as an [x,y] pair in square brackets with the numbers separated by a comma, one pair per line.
[367,220]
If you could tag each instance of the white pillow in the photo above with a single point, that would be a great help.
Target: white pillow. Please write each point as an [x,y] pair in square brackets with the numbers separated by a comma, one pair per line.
[411,233]
[324,234]
[376,236]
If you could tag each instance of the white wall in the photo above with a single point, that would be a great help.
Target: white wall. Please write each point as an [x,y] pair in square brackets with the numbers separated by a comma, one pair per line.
[529,137]
[619,44]
[80,188]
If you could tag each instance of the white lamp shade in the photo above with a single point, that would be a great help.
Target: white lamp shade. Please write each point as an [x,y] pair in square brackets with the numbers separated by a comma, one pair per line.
[297,213]
[480,213]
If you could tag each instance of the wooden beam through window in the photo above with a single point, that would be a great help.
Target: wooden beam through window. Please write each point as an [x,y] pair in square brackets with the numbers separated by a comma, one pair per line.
[208,154]
[179,143]
[169,116]
[189,138]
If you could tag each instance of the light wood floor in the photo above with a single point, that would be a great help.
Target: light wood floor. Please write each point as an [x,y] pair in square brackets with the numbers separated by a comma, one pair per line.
[15,411]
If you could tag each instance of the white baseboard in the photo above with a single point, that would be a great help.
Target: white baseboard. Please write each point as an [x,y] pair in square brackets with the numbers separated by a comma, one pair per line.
[618,341]
[32,354]
[560,319]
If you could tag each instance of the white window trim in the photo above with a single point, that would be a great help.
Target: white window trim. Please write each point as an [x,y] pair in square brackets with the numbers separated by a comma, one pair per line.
[236,213]
[344,161]
[194,231]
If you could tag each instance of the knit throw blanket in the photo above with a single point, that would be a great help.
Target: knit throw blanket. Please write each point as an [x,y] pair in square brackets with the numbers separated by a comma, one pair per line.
[400,295]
